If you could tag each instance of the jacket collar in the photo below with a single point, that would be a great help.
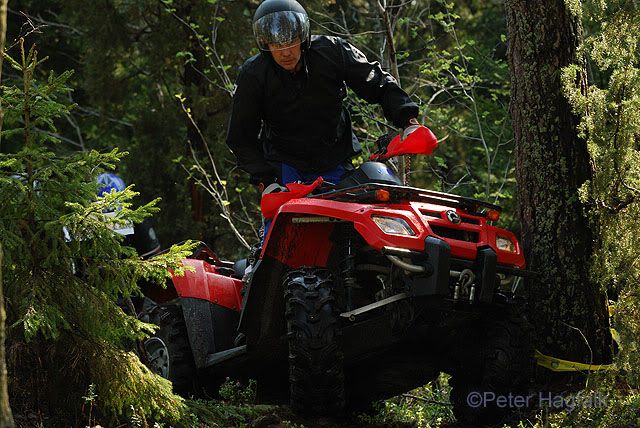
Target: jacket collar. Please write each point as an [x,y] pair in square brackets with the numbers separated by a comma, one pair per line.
[304,70]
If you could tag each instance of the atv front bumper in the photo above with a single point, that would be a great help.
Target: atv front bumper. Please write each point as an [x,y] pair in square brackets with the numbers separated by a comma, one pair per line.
[435,273]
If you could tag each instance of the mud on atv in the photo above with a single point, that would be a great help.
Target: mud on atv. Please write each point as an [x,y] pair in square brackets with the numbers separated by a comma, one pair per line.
[364,290]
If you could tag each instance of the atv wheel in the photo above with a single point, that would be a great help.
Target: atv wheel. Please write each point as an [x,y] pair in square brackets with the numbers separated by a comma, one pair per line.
[316,374]
[505,368]
[168,351]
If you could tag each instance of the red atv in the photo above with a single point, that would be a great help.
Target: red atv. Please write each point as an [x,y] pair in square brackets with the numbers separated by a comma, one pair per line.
[364,289]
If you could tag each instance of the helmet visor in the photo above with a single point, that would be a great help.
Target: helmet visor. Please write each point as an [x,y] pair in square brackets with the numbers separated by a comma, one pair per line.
[281,29]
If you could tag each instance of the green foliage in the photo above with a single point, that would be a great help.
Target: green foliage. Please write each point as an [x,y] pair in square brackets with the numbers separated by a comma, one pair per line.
[203,413]
[610,122]
[127,387]
[470,75]
[615,408]
[234,392]
[89,401]
[237,408]
[62,287]
[451,57]
[133,58]
[425,407]
[609,108]
[621,412]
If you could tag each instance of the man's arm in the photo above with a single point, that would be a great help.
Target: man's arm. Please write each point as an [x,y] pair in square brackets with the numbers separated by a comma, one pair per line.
[370,82]
[244,127]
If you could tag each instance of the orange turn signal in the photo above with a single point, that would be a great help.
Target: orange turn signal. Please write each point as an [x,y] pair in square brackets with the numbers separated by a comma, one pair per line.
[382,195]
[493,215]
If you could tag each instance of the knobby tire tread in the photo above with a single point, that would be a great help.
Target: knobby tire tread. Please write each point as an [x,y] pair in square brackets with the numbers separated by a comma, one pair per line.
[316,374]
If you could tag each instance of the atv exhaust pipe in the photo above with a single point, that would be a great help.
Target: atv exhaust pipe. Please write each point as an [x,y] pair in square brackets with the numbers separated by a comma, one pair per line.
[465,278]
[406,266]
[394,254]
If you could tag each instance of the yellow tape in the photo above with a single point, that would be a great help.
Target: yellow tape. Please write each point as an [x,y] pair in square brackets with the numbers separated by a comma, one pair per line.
[558,365]
[616,336]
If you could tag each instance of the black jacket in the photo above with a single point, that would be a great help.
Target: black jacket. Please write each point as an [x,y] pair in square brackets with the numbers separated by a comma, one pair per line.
[298,118]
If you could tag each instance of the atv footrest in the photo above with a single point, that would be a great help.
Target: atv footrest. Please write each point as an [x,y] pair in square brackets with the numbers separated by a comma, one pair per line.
[218,357]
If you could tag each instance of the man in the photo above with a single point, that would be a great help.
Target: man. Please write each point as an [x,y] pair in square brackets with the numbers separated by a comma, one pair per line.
[288,122]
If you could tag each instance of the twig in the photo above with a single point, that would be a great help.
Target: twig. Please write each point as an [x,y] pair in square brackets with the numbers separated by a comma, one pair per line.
[76,127]
[223,72]
[246,213]
[39,19]
[218,67]
[504,180]
[471,96]
[32,29]
[427,400]
[90,112]
[393,62]
[219,196]
[59,137]
[588,346]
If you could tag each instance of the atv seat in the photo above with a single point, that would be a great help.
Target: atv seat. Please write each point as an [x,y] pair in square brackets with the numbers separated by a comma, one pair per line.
[369,172]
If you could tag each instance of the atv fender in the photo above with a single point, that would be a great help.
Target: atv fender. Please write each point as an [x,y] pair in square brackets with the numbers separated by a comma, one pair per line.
[210,305]
[211,328]
[201,280]
[261,321]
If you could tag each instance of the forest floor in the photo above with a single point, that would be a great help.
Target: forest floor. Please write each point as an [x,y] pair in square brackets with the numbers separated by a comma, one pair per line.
[423,407]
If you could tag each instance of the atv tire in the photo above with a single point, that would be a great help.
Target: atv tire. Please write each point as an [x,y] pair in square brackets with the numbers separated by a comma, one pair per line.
[316,373]
[168,351]
[505,368]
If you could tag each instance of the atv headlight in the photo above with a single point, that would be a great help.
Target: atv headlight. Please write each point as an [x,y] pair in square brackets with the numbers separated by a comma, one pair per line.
[393,226]
[505,244]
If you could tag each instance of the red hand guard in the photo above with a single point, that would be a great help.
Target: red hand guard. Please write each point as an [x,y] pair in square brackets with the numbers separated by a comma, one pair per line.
[271,203]
[420,141]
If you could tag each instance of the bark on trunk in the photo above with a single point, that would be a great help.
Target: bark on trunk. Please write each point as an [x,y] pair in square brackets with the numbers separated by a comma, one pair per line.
[6,417]
[3,36]
[568,310]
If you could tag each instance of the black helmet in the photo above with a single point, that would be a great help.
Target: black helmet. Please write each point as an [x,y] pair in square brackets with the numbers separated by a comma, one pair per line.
[280,22]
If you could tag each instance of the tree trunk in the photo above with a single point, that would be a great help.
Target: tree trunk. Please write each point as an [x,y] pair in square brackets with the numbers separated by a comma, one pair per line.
[192,86]
[567,308]
[6,418]
[3,36]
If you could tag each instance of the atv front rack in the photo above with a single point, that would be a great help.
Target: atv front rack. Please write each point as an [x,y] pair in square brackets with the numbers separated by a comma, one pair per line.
[404,193]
